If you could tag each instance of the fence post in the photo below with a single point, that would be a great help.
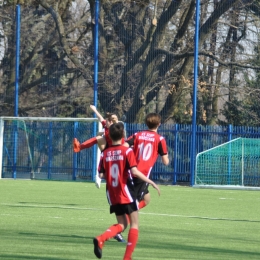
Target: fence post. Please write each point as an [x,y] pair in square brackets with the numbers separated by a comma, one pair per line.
[230,131]
[17,60]
[50,151]
[194,112]
[75,156]
[175,154]
[96,46]
[1,144]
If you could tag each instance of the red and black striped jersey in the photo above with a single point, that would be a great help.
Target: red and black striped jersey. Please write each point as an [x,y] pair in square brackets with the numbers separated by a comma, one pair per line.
[147,145]
[116,162]
[106,134]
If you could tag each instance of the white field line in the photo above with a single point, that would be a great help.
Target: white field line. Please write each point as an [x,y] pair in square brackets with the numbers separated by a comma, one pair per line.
[140,212]
[184,216]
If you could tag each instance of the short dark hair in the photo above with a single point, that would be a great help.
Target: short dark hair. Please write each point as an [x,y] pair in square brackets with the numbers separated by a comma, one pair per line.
[109,115]
[152,120]
[116,131]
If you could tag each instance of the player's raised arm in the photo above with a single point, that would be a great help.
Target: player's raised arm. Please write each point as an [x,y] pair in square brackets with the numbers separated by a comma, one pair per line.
[141,176]
[99,116]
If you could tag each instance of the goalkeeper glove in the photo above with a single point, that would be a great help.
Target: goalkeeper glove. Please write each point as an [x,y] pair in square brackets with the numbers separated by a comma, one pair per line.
[76,145]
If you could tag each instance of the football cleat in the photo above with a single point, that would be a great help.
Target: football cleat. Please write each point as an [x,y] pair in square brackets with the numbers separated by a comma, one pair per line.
[119,238]
[76,145]
[97,247]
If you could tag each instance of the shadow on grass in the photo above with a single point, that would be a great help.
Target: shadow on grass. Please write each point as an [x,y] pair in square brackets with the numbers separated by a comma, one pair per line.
[223,253]
[203,218]
[66,206]
[49,235]
[47,203]
[28,257]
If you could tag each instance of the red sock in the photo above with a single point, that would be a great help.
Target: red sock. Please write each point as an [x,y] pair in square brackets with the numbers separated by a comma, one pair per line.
[111,232]
[141,204]
[131,243]
[90,142]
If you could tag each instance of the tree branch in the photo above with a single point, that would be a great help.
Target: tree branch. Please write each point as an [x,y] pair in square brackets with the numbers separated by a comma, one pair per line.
[207,54]
[62,36]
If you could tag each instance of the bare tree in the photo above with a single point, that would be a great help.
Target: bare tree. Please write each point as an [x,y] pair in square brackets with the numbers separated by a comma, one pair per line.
[146,57]
[53,78]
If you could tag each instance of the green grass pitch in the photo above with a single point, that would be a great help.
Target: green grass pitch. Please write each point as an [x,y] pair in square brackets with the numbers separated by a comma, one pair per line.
[52,220]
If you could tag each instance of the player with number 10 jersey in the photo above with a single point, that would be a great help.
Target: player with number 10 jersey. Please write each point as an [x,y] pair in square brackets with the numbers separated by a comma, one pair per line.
[147,145]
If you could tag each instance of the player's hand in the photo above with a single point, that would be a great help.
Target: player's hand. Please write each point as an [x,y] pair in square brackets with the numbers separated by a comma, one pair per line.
[157,188]
[76,145]
[98,181]
[93,107]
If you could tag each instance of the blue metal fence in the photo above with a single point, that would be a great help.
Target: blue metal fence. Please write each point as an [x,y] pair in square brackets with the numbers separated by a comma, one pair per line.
[44,149]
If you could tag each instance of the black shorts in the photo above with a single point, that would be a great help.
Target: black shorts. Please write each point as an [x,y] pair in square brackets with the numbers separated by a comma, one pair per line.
[141,188]
[121,209]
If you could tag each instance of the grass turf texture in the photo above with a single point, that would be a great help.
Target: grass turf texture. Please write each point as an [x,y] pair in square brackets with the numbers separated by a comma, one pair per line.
[57,221]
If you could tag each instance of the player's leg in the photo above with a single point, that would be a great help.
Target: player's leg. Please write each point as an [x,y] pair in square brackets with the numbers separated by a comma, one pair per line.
[108,234]
[119,237]
[114,229]
[132,235]
[77,146]
[99,241]
[88,143]
[145,201]
[102,143]
[143,195]
[98,179]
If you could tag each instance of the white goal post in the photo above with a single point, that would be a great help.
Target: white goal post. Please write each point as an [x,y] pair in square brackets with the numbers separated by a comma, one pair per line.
[231,165]
[32,137]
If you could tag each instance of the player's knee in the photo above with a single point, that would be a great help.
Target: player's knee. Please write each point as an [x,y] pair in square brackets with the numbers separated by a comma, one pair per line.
[147,199]
[146,202]
[125,226]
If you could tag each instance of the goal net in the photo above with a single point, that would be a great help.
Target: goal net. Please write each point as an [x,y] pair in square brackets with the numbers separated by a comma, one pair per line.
[41,148]
[235,164]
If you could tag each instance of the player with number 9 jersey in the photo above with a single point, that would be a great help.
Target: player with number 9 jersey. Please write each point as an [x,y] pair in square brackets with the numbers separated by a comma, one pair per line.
[115,164]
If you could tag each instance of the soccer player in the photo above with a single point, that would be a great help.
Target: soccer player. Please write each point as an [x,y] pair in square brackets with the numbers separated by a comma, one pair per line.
[100,140]
[147,145]
[103,141]
[116,161]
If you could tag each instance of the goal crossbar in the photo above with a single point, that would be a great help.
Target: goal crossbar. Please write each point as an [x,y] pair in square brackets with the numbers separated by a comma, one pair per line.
[49,119]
